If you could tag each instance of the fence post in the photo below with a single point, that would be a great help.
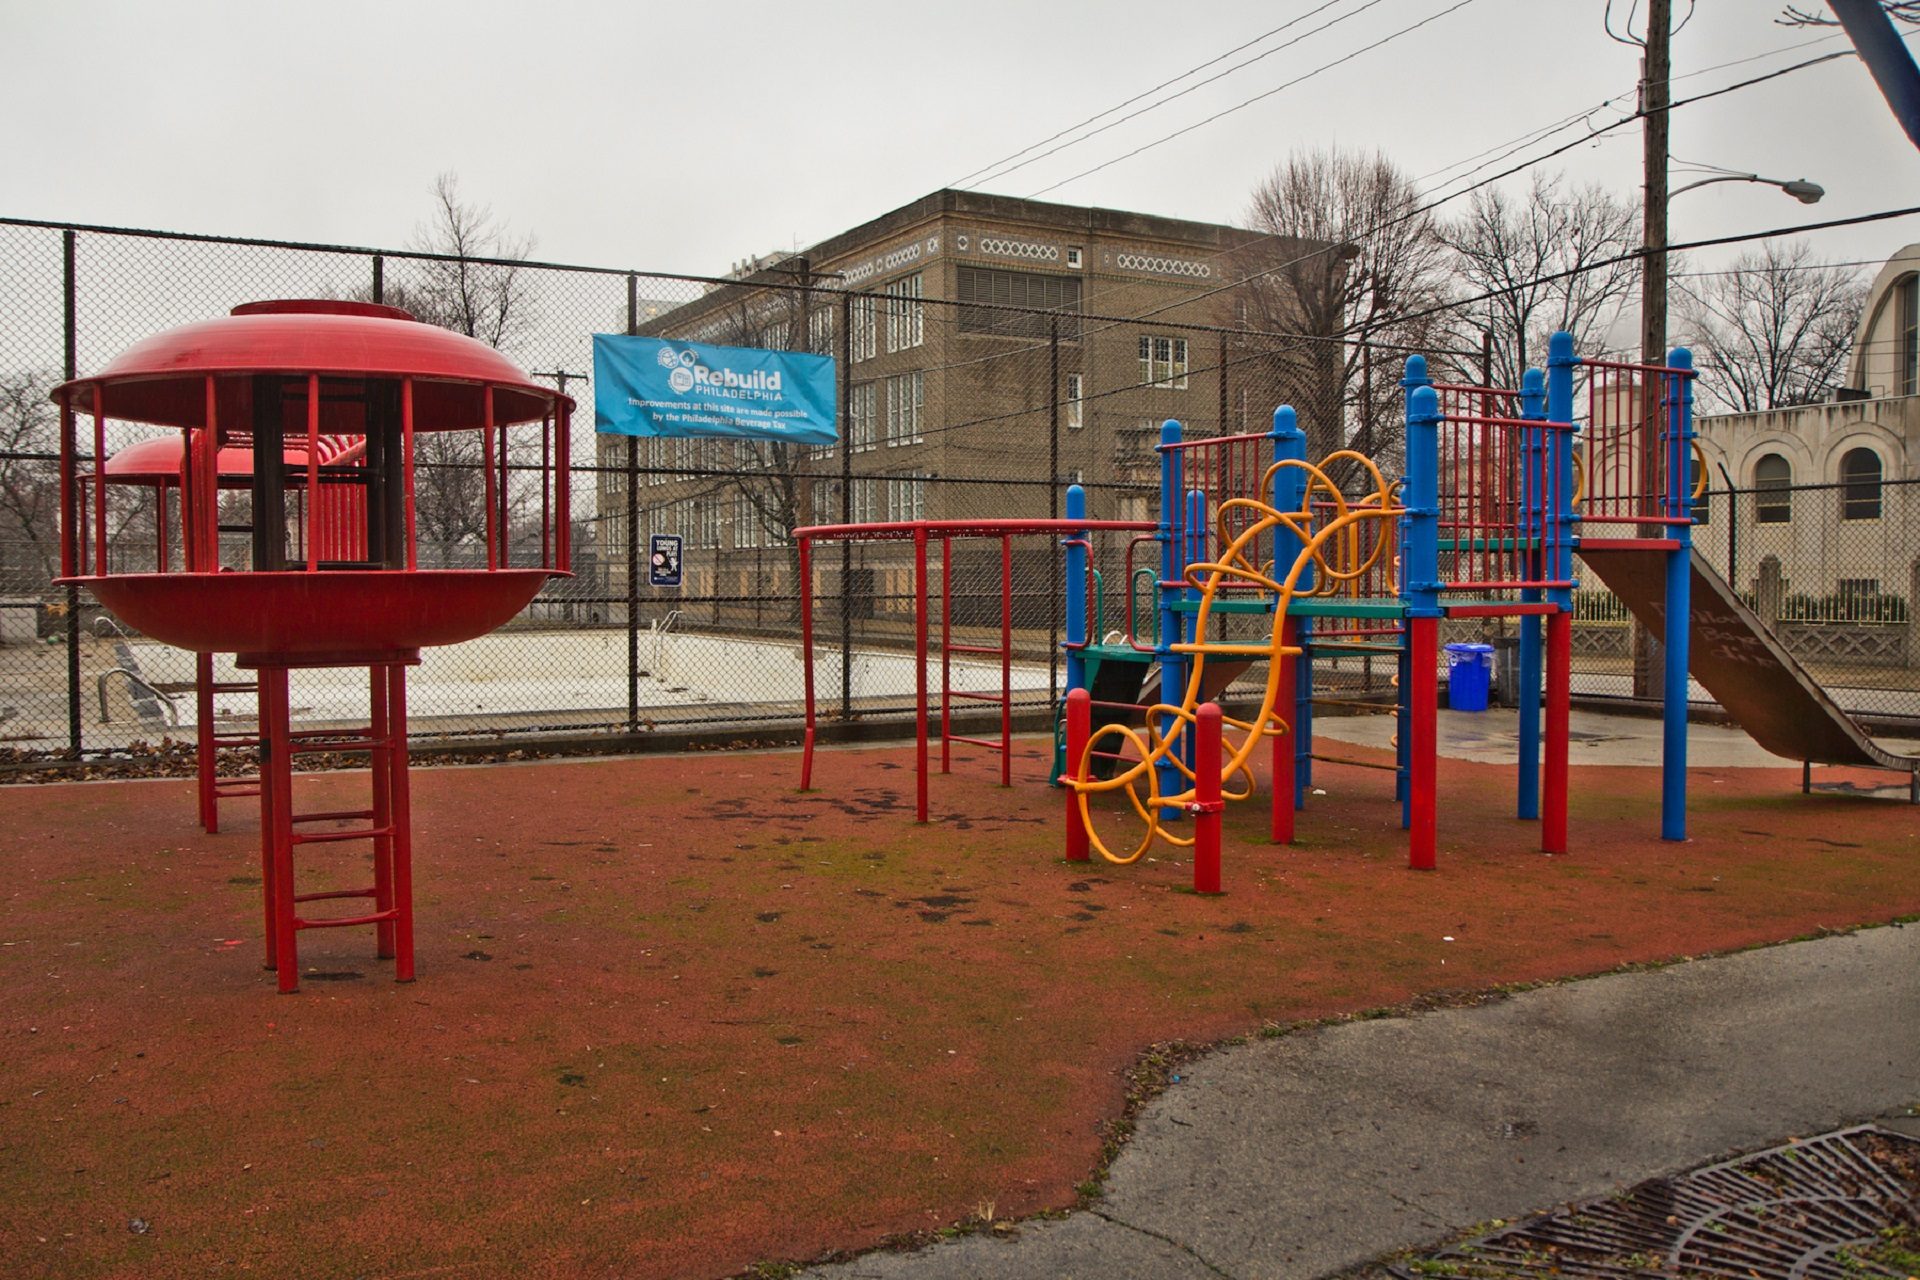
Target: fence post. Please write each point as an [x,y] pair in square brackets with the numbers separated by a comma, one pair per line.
[71,349]
[633,536]
[380,282]
[1053,509]
[844,393]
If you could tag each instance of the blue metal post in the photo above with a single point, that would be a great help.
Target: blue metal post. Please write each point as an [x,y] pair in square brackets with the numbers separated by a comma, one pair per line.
[1077,584]
[1289,491]
[1172,538]
[1415,378]
[1533,405]
[1561,522]
[1678,429]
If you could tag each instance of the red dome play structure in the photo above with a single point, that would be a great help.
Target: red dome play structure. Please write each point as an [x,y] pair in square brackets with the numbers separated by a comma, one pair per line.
[159,465]
[312,408]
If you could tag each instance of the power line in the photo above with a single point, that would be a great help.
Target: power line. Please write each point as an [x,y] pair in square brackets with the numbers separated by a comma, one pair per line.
[1114,124]
[1150,92]
[1457,303]
[1241,106]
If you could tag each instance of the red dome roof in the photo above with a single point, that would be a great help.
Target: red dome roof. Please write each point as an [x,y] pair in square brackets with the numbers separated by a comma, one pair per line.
[162,378]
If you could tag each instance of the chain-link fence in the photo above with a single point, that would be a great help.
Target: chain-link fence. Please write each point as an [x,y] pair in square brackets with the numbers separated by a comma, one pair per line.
[1834,571]
[987,402]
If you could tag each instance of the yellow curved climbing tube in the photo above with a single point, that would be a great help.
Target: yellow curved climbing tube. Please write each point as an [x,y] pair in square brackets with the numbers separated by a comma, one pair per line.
[1330,532]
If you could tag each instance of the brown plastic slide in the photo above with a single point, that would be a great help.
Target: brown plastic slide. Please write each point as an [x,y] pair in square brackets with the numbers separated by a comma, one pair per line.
[1744,666]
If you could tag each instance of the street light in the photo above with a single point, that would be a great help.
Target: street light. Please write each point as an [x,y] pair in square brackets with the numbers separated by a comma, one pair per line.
[1799,188]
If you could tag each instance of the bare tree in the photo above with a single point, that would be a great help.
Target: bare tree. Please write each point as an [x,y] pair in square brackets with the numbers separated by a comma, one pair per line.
[29,482]
[1774,329]
[1551,260]
[1377,263]
[1907,11]
[474,286]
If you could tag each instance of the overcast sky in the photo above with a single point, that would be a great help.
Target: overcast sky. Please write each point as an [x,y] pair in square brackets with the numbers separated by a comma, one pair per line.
[683,137]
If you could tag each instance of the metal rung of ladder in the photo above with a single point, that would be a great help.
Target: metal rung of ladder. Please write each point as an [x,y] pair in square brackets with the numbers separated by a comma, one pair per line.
[337,744]
[993,649]
[337,815]
[976,742]
[377,917]
[994,698]
[337,837]
[323,895]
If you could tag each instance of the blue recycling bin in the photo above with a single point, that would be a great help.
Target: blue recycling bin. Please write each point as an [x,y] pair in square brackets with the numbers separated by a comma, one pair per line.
[1469,672]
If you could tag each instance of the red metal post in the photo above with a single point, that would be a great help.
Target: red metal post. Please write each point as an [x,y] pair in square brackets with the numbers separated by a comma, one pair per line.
[99,481]
[204,744]
[946,655]
[1285,781]
[1553,800]
[486,468]
[311,525]
[1423,694]
[546,488]
[276,836]
[806,659]
[1079,729]
[1006,660]
[269,807]
[206,481]
[402,825]
[563,489]
[71,530]
[380,731]
[406,467]
[506,508]
[920,668]
[1207,804]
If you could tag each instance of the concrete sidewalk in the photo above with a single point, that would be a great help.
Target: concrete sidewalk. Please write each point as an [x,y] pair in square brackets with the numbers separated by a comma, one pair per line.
[1313,1153]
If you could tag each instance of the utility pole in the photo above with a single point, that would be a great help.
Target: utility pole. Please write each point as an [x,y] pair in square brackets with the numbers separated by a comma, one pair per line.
[1656,67]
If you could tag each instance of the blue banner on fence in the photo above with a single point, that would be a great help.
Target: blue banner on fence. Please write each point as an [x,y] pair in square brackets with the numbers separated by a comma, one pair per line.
[656,387]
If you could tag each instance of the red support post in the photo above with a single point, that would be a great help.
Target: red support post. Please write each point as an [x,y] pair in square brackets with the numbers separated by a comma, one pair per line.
[1006,660]
[563,489]
[277,836]
[380,730]
[406,468]
[946,655]
[1207,804]
[546,489]
[1423,696]
[486,469]
[402,825]
[920,669]
[806,659]
[1285,789]
[1553,800]
[314,520]
[205,747]
[99,482]
[1079,729]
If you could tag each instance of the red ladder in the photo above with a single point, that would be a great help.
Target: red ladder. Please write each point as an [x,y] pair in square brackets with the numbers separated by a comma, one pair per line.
[1003,650]
[387,820]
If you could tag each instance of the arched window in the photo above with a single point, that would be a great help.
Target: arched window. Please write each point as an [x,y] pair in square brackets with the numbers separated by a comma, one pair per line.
[1860,485]
[1906,334]
[1773,490]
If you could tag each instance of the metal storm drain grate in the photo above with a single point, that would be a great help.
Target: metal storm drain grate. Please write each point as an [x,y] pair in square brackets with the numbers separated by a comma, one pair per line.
[1843,1206]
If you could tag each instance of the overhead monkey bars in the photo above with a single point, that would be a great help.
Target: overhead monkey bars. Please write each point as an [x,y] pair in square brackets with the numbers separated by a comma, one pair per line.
[921,533]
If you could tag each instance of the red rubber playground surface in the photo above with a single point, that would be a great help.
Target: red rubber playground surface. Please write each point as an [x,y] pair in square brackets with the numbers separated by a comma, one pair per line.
[674,1018]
